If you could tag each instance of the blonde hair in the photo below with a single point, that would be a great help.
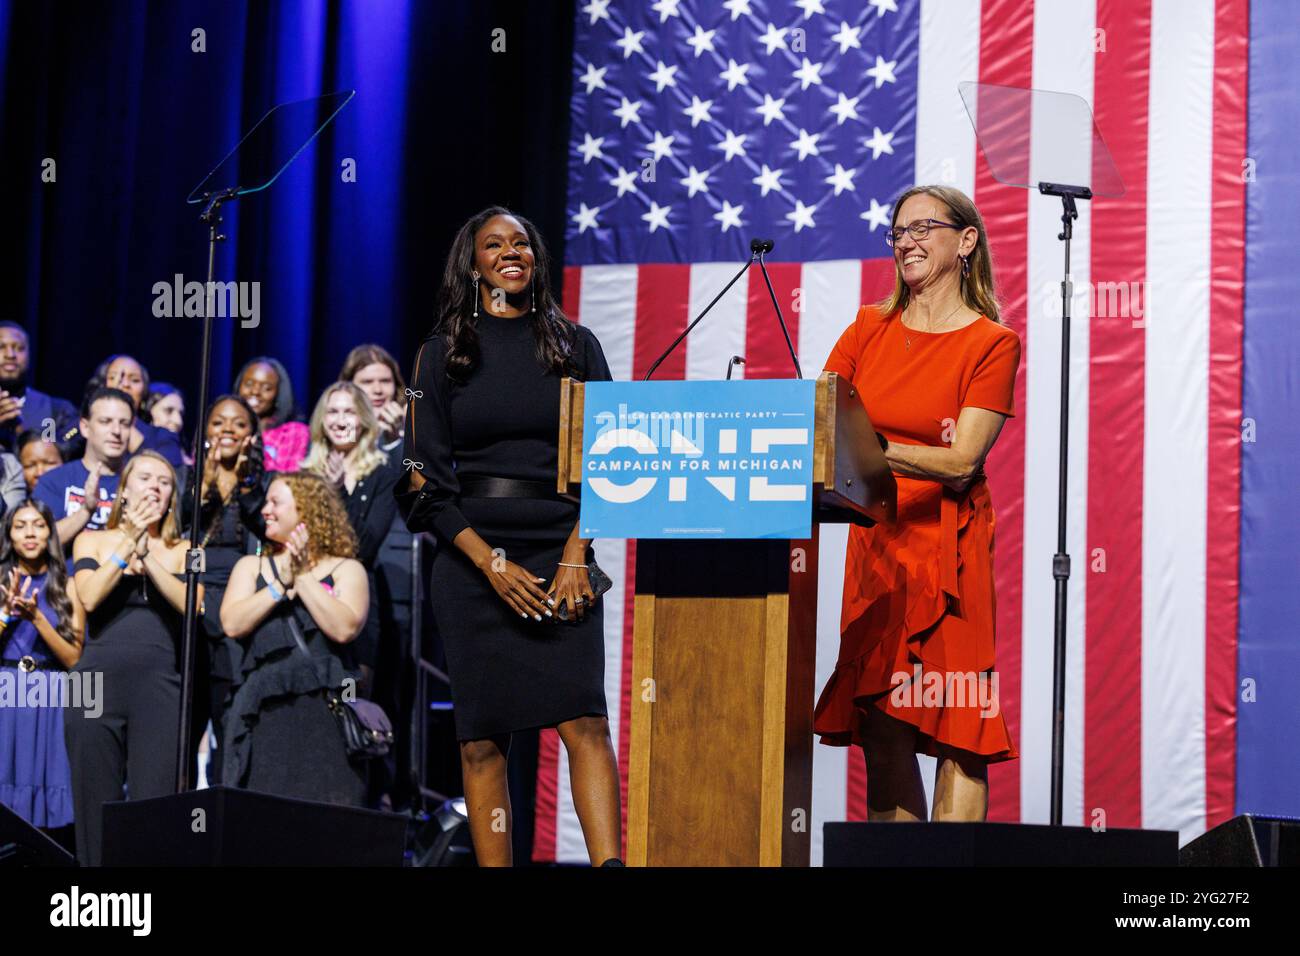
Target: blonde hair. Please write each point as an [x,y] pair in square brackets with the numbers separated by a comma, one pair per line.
[978,290]
[319,507]
[365,455]
[171,531]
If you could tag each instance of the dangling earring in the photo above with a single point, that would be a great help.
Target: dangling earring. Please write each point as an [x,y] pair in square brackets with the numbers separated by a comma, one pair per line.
[533,287]
[475,276]
[965,266]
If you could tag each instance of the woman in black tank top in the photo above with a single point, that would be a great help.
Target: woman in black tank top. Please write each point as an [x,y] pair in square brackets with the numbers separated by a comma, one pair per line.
[129,577]
[300,606]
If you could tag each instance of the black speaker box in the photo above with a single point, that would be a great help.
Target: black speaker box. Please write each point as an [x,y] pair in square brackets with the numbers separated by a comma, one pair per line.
[994,844]
[21,844]
[1246,840]
[224,826]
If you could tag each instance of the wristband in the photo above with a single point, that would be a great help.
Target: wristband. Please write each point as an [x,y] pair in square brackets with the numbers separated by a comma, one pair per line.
[275,595]
[120,561]
[564,565]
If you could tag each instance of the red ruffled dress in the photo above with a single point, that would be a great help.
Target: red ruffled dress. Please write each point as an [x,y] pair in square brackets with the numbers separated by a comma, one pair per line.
[917,624]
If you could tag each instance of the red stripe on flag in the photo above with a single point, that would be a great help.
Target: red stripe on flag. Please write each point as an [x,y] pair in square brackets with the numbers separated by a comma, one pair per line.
[877,279]
[1223,529]
[663,293]
[766,352]
[1112,769]
[572,292]
[1006,58]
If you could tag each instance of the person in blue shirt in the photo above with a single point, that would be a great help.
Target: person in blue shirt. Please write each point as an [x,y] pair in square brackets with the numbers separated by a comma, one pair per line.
[107,415]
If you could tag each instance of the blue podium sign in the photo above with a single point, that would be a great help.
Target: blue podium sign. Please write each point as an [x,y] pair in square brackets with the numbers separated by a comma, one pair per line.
[698,459]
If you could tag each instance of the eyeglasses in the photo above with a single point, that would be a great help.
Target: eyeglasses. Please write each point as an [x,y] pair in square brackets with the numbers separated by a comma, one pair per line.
[917,230]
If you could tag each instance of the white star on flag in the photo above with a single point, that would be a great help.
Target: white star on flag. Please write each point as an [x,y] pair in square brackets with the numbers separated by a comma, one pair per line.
[701,40]
[624,182]
[657,216]
[841,179]
[877,215]
[882,6]
[598,9]
[734,74]
[585,217]
[880,142]
[801,215]
[806,144]
[737,8]
[845,108]
[729,215]
[770,109]
[630,42]
[809,7]
[733,145]
[661,145]
[808,74]
[847,37]
[594,78]
[627,112]
[698,111]
[590,148]
[695,182]
[883,72]
[663,76]
[665,9]
[774,39]
[768,179]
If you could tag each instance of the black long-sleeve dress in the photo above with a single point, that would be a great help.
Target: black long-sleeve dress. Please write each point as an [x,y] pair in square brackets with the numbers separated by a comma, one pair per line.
[507,673]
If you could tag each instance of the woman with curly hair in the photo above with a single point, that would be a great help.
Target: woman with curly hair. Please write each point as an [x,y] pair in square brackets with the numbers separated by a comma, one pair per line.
[300,606]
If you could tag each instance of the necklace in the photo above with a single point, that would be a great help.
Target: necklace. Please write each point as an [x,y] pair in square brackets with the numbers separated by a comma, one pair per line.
[907,339]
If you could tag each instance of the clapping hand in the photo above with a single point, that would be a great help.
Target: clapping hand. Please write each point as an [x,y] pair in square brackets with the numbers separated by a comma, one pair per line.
[390,417]
[17,602]
[297,547]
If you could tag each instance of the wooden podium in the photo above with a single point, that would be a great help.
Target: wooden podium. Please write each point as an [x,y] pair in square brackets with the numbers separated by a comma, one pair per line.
[724,647]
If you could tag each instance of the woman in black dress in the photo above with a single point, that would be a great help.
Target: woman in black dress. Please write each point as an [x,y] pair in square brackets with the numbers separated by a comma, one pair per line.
[231,522]
[130,580]
[300,605]
[481,444]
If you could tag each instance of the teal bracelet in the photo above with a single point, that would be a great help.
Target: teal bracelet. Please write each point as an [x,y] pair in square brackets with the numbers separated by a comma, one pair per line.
[275,595]
[119,561]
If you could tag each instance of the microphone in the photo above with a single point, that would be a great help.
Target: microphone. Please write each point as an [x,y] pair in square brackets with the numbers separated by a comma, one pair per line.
[757,249]
[760,247]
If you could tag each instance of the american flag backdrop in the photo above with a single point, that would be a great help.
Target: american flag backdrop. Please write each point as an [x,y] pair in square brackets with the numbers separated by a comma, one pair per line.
[699,125]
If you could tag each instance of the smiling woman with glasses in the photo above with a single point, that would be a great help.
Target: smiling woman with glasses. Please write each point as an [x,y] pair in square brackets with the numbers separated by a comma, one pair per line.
[936,371]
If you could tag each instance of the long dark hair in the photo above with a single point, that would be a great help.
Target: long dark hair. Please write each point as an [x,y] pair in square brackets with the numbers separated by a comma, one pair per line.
[56,572]
[213,506]
[456,323]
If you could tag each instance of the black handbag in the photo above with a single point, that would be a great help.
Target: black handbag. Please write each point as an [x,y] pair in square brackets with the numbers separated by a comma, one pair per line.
[366,729]
[600,583]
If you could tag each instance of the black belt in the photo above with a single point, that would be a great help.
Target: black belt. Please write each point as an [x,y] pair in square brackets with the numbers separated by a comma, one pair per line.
[27,664]
[489,486]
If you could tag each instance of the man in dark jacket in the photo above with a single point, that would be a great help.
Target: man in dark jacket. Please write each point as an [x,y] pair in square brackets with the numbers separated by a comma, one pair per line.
[23,408]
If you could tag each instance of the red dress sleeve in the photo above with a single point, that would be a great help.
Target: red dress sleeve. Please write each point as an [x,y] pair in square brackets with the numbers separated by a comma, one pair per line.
[993,385]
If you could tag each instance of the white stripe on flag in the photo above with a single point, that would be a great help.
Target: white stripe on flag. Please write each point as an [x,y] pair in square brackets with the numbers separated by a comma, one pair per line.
[722,333]
[608,308]
[1063,62]
[949,54]
[1177,367]
[831,295]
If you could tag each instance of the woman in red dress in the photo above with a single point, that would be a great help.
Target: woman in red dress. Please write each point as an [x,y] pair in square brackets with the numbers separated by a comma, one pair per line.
[936,371]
